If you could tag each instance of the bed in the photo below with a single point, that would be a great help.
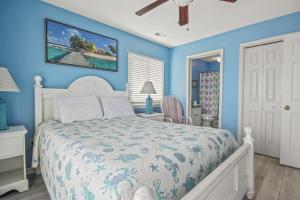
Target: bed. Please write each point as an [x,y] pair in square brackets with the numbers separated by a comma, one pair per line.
[135,158]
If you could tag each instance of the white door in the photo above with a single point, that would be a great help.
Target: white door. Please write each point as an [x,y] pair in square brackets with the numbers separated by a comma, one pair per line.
[272,100]
[252,111]
[290,137]
[263,96]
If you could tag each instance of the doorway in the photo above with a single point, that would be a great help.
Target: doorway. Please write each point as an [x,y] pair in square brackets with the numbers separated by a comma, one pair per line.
[204,88]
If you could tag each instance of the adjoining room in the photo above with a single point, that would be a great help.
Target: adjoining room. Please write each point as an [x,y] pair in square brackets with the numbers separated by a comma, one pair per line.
[206,90]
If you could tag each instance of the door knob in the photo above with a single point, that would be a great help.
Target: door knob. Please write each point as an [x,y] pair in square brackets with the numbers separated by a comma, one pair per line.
[286,107]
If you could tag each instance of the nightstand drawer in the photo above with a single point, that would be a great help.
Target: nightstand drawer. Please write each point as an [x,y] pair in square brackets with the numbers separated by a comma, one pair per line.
[11,146]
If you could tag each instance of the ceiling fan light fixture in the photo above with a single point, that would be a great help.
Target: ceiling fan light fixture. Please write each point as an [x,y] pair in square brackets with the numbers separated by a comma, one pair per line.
[182,3]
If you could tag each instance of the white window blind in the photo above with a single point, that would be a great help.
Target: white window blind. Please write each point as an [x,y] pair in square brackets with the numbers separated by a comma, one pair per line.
[140,69]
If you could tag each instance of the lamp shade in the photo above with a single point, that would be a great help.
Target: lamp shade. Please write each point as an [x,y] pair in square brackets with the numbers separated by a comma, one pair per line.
[148,88]
[7,83]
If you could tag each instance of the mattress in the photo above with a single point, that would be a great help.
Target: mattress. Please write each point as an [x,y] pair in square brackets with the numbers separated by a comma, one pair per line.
[111,159]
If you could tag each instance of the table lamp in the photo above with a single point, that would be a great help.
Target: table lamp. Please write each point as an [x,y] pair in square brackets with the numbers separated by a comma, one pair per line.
[148,88]
[7,84]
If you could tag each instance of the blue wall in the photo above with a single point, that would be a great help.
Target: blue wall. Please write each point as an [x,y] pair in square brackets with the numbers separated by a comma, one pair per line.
[230,42]
[198,66]
[214,67]
[22,40]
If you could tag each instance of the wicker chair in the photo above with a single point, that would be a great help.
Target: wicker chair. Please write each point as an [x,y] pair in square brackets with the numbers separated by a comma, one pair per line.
[172,109]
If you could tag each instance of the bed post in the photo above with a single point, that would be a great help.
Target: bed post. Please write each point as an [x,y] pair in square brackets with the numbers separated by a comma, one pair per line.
[250,166]
[38,104]
[144,193]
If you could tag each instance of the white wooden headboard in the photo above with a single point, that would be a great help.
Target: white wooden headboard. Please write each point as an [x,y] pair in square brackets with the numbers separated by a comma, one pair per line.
[87,85]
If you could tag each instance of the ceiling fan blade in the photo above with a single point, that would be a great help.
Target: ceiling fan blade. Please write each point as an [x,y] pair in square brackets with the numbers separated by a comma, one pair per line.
[230,1]
[183,15]
[150,7]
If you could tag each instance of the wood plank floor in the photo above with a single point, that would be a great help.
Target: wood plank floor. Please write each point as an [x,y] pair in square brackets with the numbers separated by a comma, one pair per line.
[272,182]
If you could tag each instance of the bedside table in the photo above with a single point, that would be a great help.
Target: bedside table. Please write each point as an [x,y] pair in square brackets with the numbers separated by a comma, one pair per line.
[13,160]
[153,116]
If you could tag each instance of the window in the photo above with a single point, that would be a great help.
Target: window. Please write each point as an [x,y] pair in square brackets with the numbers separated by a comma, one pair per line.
[140,69]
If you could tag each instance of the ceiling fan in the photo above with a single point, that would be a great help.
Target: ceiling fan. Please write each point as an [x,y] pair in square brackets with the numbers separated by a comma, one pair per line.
[183,9]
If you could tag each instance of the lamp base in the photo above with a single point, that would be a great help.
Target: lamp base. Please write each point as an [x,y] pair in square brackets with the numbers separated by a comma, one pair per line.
[3,122]
[149,108]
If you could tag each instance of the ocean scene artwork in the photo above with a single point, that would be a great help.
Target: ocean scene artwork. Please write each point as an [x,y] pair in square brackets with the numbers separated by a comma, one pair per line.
[73,46]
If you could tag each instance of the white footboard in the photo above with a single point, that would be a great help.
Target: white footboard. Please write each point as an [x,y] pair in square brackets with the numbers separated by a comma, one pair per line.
[230,181]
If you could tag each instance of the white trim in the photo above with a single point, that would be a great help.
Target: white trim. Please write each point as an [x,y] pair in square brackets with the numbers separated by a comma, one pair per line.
[243,46]
[188,88]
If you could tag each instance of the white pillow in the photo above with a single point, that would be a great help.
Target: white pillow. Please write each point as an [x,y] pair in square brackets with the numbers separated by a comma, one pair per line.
[78,108]
[116,107]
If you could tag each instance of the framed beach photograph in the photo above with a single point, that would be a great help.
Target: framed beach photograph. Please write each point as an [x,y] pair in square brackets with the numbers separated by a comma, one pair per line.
[73,46]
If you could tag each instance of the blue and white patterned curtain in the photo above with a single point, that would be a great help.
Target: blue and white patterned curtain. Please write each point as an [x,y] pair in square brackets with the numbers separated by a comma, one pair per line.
[210,92]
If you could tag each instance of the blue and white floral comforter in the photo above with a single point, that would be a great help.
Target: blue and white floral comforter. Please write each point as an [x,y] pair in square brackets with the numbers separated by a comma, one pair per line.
[111,159]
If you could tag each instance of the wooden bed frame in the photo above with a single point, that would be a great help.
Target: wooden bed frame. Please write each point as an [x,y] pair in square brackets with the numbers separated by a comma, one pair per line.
[230,181]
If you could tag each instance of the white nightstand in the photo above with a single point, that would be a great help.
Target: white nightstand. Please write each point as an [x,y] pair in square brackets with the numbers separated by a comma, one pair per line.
[153,116]
[13,160]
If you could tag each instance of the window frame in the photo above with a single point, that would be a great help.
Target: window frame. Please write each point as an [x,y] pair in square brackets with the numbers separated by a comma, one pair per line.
[143,104]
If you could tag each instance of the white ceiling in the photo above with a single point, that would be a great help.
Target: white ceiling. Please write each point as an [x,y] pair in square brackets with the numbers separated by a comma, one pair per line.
[207,17]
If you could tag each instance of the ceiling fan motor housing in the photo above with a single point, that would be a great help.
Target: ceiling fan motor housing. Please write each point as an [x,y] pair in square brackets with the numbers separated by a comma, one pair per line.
[182,3]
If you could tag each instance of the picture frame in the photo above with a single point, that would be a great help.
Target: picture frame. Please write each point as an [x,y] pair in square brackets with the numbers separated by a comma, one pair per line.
[69,45]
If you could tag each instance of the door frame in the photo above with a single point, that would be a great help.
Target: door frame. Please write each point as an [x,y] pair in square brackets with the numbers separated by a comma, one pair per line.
[188,88]
[243,46]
